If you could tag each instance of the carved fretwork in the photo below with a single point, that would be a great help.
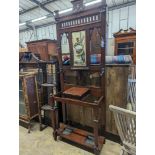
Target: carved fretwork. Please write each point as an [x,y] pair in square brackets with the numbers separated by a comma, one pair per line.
[81,21]
[77,5]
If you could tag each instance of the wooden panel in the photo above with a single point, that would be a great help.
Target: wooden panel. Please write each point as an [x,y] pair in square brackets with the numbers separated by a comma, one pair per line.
[83,115]
[32,48]
[116,92]
[42,50]
[31,95]
[44,47]
[79,114]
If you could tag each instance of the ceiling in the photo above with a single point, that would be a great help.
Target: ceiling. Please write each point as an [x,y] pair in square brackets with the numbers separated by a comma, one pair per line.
[34,9]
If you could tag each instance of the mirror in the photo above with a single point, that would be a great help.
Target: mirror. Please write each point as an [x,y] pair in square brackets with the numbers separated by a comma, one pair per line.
[64,44]
[95,42]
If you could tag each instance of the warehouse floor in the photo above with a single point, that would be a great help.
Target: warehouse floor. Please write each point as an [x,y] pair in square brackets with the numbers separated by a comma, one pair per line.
[42,143]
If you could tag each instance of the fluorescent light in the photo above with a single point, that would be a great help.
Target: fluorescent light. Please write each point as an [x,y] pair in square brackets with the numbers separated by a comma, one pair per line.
[64,11]
[21,24]
[93,2]
[41,18]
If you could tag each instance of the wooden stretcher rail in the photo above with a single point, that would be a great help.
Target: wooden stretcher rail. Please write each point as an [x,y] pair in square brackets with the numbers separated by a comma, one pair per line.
[58,97]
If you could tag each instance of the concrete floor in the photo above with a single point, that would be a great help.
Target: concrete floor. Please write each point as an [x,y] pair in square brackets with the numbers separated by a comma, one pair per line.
[42,143]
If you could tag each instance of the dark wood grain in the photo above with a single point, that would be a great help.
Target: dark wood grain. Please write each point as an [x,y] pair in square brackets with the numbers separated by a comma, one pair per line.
[89,19]
[45,48]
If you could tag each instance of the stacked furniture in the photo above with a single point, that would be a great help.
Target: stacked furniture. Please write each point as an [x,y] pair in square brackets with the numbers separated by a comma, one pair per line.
[47,76]
[45,48]
[81,36]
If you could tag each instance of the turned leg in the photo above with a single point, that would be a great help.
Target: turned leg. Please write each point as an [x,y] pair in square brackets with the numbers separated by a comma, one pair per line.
[64,113]
[55,123]
[54,118]
[96,149]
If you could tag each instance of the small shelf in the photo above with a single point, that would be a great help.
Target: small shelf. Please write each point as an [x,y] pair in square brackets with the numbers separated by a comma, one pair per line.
[46,107]
[125,48]
[66,67]
[88,86]
[65,53]
[23,117]
[48,85]
[79,68]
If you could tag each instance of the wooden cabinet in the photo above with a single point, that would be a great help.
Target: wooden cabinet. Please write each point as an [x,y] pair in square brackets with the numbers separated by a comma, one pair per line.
[28,98]
[45,48]
[125,43]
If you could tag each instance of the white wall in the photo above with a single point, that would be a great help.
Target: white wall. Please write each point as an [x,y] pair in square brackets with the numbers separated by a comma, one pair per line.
[48,32]
[122,18]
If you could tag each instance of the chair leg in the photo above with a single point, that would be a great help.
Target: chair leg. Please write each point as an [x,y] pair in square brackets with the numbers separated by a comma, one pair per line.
[122,152]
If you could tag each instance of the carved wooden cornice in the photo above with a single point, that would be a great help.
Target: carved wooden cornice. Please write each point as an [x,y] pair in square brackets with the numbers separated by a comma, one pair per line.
[77,5]
[122,32]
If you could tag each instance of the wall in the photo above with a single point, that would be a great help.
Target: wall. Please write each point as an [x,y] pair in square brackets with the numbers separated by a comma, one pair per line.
[122,18]
[116,19]
[48,32]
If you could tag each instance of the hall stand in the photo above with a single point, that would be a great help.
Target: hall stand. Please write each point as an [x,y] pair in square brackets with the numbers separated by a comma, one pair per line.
[81,32]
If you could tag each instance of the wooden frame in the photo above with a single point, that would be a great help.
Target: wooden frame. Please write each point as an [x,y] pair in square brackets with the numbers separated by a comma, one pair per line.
[31,99]
[79,48]
[82,19]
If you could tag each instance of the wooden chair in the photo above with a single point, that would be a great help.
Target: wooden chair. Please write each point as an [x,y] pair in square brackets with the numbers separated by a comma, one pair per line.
[126,124]
[132,93]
